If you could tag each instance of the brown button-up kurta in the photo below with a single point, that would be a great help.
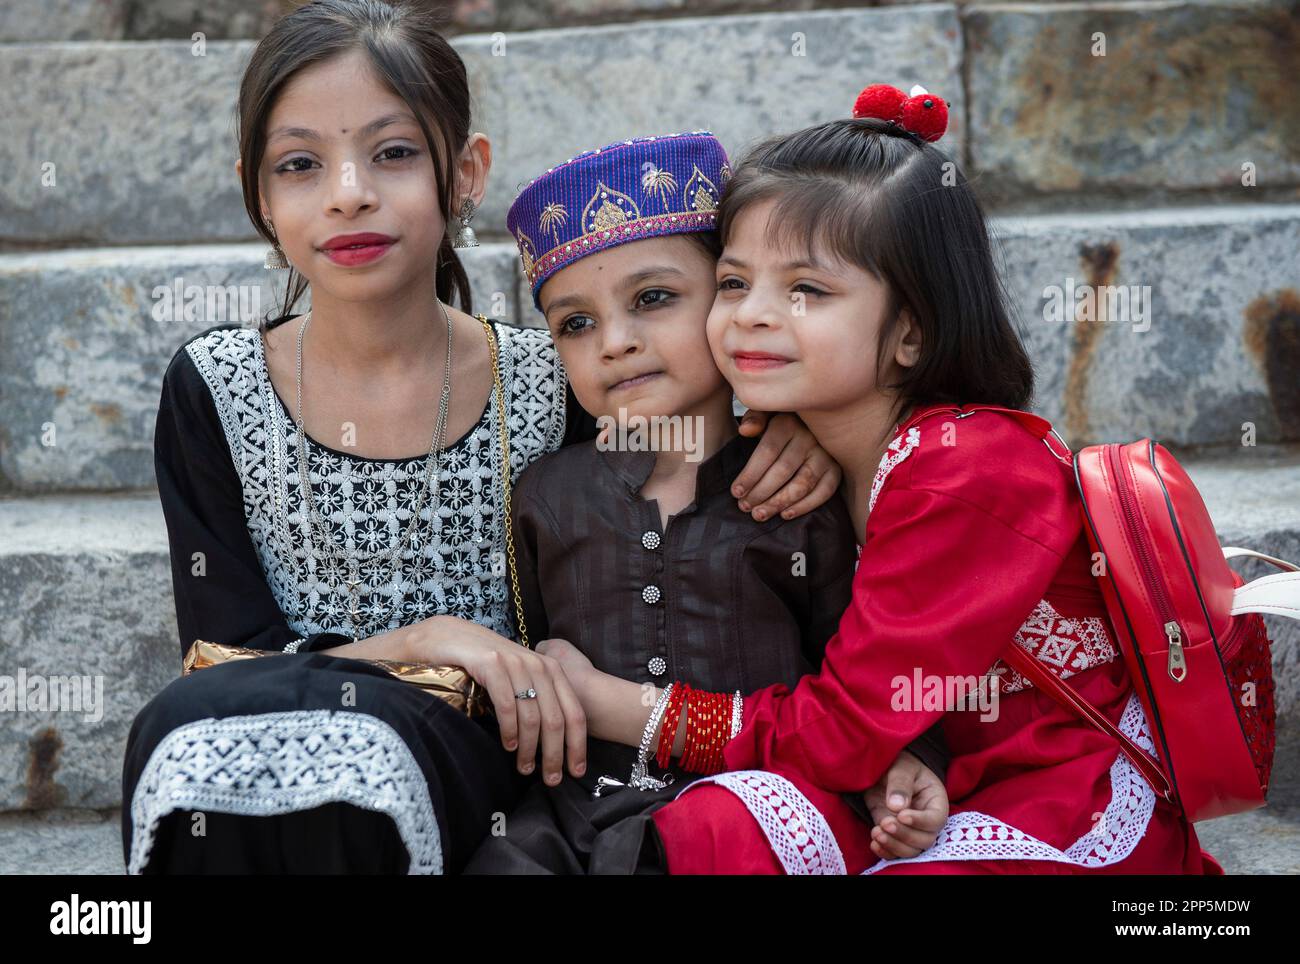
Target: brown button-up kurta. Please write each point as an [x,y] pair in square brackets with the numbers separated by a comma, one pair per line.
[713,598]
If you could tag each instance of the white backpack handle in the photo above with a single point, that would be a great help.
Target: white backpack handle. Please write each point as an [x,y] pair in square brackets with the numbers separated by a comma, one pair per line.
[1278,594]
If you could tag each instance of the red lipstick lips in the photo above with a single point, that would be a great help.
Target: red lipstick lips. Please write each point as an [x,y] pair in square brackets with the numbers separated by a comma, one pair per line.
[355,249]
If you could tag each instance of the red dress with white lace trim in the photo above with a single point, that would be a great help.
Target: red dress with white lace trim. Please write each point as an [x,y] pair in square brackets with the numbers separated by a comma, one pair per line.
[974,539]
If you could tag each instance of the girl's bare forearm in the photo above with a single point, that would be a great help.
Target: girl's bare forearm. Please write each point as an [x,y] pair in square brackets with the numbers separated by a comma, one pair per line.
[399,644]
[618,709]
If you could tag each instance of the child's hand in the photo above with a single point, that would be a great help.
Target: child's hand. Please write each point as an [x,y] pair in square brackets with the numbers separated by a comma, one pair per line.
[909,806]
[788,470]
[571,659]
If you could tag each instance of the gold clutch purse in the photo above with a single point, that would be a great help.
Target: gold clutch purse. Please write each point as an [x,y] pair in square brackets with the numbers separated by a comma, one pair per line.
[452,684]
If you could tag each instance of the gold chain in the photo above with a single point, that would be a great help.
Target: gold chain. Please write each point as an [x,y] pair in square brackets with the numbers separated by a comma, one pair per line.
[505,479]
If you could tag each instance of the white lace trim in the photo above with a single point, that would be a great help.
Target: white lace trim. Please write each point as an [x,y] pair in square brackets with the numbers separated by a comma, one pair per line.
[800,836]
[899,449]
[272,763]
[972,835]
[1064,646]
[456,566]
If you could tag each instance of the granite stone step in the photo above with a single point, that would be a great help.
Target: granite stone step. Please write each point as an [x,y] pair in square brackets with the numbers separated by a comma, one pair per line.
[85,590]
[1133,98]
[33,21]
[65,841]
[85,593]
[1205,352]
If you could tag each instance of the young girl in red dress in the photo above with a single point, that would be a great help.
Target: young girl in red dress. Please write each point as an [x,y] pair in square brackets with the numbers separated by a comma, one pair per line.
[857,288]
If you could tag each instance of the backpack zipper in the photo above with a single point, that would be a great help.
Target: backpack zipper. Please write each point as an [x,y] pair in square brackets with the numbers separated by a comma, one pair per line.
[1177,663]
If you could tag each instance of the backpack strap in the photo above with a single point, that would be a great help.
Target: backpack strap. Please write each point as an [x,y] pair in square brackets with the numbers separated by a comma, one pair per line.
[1278,594]
[1235,552]
[1029,667]
[1036,424]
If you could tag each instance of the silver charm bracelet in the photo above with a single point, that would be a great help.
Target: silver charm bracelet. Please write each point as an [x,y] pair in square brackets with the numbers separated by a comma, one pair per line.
[640,778]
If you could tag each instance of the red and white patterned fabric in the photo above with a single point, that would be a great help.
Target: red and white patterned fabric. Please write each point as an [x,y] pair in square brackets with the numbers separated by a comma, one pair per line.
[1064,646]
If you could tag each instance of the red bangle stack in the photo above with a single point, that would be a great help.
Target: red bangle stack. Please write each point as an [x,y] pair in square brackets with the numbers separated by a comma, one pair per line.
[708,728]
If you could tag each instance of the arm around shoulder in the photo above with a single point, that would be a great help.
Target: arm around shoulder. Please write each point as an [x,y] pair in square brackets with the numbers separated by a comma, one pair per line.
[960,547]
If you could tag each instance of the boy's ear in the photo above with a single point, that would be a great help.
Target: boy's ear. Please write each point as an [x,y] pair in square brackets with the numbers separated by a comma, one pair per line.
[908,352]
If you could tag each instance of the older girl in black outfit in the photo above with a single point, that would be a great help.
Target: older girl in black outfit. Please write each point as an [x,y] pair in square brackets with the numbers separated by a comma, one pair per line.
[355,157]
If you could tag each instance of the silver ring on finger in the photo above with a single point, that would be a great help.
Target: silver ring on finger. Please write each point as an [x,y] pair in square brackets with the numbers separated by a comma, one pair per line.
[528,694]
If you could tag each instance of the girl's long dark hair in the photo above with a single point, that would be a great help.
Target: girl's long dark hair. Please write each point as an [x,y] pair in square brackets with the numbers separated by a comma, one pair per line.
[896,206]
[409,54]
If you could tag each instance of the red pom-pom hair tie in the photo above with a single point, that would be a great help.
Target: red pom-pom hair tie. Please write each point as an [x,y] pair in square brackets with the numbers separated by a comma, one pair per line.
[920,112]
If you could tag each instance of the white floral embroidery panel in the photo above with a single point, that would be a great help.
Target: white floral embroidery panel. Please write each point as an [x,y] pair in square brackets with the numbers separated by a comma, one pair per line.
[1064,646]
[273,763]
[797,831]
[455,565]
[971,835]
[899,449]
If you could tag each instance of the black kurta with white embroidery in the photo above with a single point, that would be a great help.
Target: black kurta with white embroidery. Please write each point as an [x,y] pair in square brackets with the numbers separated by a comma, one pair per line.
[256,745]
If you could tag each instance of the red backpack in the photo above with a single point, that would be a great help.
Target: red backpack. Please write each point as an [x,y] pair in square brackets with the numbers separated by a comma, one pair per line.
[1190,629]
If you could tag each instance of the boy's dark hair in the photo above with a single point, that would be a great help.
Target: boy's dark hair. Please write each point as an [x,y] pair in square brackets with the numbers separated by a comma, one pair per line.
[899,208]
[405,49]
[708,242]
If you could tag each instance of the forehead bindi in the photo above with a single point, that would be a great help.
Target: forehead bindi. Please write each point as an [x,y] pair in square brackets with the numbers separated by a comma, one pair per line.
[391,121]
[340,98]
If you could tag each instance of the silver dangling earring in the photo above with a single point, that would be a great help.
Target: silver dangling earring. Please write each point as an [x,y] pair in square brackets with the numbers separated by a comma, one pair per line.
[465,236]
[275,259]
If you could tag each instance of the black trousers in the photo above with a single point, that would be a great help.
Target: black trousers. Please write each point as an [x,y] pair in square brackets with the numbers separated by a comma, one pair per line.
[204,755]
[334,838]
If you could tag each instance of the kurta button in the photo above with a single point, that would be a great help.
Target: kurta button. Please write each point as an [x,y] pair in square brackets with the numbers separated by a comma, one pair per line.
[651,594]
[657,666]
[650,539]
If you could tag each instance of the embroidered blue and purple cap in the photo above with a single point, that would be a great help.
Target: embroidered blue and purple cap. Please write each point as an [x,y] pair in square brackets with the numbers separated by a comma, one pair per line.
[625,191]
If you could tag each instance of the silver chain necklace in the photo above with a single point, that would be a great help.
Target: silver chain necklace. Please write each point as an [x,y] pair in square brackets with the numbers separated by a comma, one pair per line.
[316,528]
